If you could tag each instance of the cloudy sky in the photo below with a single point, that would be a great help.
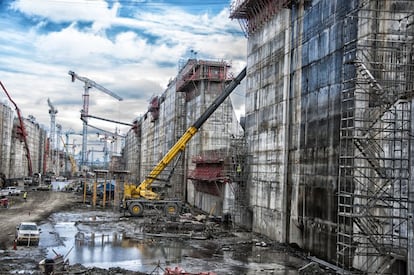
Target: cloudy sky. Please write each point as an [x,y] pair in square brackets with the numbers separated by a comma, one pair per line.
[131,47]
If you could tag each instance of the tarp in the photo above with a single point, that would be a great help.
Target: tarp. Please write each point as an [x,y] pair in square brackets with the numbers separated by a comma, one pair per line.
[109,186]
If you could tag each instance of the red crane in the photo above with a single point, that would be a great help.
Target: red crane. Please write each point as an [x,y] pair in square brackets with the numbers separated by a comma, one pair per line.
[23,131]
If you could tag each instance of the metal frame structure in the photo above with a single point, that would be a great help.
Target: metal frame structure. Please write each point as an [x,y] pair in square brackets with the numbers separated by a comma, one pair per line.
[52,135]
[239,178]
[252,14]
[375,141]
[85,111]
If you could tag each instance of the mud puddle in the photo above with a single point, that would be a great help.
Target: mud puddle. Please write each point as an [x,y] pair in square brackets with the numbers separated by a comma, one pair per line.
[103,239]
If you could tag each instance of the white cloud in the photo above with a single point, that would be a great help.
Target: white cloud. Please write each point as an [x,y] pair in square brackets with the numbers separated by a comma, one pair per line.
[70,45]
[96,11]
[127,62]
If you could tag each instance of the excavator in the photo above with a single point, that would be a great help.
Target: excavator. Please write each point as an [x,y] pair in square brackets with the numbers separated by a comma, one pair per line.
[138,198]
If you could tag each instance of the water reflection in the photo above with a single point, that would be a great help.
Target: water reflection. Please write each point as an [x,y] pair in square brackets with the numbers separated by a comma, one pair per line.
[113,249]
[87,245]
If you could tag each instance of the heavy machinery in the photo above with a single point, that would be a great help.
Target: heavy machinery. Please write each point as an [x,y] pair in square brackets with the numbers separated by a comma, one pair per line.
[84,115]
[23,132]
[138,198]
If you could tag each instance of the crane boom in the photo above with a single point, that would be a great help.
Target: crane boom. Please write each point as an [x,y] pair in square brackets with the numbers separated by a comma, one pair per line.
[24,133]
[144,189]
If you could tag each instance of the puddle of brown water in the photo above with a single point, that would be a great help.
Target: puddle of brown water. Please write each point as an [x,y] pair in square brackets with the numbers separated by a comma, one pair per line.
[105,245]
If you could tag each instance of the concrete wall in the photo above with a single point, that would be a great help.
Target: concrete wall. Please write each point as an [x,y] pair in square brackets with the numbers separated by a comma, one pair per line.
[6,128]
[267,83]
[158,136]
[293,115]
[292,124]
[173,113]
[36,140]
[131,154]
[215,135]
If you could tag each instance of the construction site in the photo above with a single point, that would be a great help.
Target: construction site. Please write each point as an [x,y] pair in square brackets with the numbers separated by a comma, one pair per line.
[320,161]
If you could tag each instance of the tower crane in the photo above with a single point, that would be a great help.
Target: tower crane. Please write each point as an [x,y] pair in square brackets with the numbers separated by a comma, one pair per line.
[84,113]
[58,136]
[52,112]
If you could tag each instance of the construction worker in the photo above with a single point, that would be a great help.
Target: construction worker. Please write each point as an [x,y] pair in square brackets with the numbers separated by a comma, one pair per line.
[25,196]
[238,169]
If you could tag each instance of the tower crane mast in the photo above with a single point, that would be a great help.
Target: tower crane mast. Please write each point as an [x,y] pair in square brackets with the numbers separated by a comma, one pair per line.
[52,112]
[85,111]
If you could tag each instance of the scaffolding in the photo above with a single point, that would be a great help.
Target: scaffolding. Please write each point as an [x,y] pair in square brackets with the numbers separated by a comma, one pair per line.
[228,166]
[253,14]
[199,70]
[375,138]
[238,173]
[178,172]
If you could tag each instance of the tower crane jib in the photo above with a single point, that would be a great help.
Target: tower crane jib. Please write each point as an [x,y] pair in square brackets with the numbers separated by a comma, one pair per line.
[92,84]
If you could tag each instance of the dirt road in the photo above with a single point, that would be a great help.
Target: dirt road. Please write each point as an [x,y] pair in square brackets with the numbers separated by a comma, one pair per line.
[39,205]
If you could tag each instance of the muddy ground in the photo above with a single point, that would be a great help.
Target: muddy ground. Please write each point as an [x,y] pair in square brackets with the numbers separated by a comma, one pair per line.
[42,206]
[38,206]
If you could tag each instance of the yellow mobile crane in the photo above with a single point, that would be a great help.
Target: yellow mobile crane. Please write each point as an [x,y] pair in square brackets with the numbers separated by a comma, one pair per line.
[138,198]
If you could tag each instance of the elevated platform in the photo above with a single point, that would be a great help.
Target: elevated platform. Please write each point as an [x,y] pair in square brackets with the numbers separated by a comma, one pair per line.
[198,70]
[252,14]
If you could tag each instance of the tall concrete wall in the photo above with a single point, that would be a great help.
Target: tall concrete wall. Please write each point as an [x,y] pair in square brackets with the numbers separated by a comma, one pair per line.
[18,160]
[6,128]
[173,113]
[266,125]
[36,142]
[160,130]
[292,123]
[131,154]
[293,113]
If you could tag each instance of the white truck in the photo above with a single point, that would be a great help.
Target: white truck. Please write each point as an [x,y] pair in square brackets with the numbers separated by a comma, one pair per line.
[11,191]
